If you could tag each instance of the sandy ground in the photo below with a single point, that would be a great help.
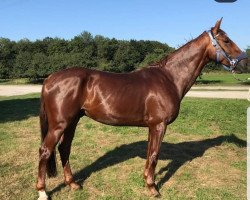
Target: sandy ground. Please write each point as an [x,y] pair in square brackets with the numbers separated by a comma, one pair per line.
[239,92]
[227,92]
[12,90]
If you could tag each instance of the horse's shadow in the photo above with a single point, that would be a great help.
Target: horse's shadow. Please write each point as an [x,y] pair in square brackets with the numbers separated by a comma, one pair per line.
[17,109]
[178,153]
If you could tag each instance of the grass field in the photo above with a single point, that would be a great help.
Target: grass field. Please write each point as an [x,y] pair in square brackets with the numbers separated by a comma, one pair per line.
[20,81]
[223,78]
[203,155]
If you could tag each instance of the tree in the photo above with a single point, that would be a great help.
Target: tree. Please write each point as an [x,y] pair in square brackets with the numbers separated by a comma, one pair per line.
[38,59]
[23,63]
[7,57]
[39,66]
[82,42]
[125,58]
[56,45]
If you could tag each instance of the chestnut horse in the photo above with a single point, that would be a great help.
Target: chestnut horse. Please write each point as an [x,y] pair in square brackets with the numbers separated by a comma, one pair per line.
[149,97]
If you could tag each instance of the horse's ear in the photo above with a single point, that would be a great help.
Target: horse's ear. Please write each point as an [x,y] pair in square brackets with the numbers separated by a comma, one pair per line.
[217,26]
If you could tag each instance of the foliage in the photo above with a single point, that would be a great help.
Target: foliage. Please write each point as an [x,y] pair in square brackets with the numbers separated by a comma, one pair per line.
[37,59]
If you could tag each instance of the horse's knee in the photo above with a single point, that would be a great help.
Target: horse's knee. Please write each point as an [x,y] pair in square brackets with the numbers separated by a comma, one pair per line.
[160,127]
[153,159]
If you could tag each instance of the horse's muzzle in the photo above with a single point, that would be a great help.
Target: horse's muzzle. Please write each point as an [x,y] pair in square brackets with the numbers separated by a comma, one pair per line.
[243,63]
[243,59]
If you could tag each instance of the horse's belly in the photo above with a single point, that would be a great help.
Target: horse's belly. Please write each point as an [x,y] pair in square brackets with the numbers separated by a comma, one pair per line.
[114,117]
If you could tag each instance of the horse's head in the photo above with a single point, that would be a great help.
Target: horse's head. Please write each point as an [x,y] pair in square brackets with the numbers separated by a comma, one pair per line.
[223,50]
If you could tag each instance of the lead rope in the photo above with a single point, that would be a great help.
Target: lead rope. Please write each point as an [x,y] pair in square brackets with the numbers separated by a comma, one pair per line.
[241,80]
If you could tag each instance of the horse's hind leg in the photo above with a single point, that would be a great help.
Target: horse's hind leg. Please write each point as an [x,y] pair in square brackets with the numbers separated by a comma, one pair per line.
[64,150]
[47,148]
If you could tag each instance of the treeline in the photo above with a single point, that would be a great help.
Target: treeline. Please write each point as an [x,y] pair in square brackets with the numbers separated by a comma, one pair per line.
[38,59]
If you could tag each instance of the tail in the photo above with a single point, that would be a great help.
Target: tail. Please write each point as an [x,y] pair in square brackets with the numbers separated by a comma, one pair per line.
[51,164]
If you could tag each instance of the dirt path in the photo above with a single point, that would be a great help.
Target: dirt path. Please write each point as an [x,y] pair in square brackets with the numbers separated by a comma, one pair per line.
[230,92]
[12,90]
[219,94]
[227,92]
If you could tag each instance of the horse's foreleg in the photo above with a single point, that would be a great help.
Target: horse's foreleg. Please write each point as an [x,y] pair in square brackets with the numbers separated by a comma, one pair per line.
[64,150]
[147,161]
[156,135]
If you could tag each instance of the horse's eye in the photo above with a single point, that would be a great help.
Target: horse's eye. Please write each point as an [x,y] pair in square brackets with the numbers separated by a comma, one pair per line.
[226,40]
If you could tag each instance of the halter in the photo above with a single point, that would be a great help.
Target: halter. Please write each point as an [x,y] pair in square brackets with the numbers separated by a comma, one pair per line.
[220,51]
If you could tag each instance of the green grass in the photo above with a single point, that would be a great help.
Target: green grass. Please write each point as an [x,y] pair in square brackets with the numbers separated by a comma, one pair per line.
[222,78]
[20,81]
[206,117]
[203,155]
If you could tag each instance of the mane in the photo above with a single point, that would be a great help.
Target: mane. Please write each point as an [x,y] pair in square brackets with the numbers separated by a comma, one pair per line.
[165,59]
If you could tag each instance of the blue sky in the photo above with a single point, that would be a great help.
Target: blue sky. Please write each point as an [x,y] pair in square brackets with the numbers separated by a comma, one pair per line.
[169,21]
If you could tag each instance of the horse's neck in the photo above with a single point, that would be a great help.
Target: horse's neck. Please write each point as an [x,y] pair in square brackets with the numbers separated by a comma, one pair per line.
[185,65]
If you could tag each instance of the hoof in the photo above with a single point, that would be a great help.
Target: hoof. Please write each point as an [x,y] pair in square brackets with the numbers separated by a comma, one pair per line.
[158,195]
[42,195]
[153,191]
[74,186]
